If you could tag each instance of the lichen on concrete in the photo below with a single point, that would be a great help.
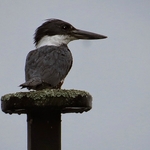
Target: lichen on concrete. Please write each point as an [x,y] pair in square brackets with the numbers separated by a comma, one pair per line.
[47,93]
[58,99]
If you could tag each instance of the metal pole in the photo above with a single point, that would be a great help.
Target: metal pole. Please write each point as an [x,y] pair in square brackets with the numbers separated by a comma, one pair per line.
[43,109]
[44,131]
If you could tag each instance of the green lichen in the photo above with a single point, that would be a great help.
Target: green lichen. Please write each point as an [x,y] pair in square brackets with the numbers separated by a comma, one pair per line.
[49,99]
[45,94]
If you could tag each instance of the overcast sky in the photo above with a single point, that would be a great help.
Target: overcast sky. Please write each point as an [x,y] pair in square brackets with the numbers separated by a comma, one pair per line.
[115,71]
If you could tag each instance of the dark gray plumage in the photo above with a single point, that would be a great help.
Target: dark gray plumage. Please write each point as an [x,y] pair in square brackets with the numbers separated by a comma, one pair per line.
[48,65]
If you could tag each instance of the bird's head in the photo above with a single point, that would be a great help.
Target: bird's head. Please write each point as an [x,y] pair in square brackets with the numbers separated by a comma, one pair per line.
[57,32]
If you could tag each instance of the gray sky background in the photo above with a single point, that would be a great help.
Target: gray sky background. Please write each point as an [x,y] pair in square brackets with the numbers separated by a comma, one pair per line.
[115,71]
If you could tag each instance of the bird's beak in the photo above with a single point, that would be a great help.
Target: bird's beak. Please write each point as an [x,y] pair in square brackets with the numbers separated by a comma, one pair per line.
[80,34]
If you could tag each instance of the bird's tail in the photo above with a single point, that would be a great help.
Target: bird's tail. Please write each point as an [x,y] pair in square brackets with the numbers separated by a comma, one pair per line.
[32,83]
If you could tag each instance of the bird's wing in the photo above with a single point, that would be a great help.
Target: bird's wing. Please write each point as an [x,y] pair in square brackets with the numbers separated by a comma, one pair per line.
[48,64]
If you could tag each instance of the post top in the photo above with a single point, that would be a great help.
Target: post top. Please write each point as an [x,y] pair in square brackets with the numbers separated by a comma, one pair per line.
[64,101]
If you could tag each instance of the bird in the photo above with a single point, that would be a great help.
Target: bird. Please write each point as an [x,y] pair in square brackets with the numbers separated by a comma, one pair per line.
[48,64]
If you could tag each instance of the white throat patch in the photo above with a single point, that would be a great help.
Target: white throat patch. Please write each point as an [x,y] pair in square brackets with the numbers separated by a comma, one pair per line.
[55,40]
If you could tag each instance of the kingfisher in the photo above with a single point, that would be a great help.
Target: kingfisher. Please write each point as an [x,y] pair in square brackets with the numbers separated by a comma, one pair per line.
[48,65]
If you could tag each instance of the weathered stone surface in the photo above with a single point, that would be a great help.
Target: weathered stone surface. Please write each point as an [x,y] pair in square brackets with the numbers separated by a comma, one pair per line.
[65,101]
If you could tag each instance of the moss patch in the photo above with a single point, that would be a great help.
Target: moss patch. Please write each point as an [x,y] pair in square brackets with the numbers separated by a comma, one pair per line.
[47,93]
[48,99]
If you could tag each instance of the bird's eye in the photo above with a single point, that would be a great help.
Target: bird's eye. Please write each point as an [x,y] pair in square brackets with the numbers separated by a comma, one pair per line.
[66,27]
